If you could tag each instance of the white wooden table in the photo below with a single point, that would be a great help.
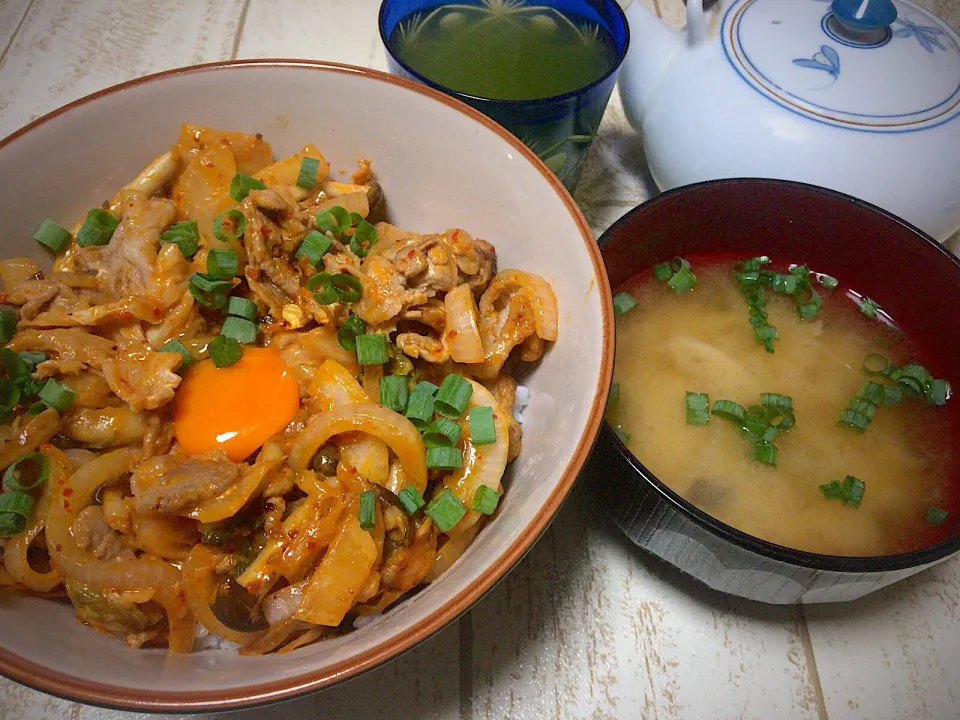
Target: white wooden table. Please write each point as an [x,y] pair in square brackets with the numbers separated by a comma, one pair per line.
[585,627]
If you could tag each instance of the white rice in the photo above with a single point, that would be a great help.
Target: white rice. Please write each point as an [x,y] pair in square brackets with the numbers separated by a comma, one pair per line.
[206,640]
[520,402]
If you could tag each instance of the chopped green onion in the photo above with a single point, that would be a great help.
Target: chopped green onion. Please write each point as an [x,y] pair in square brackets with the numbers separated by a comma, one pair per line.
[766,453]
[222,263]
[914,378]
[444,458]
[868,307]
[442,432]
[97,229]
[393,392]
[52,236]
[754,425]
[776,400]
[208,291]
[411,499]
[224,351]
[314,246]
[832,490]
[855,420]
[175,346]
[30,471]
[892,395]
[445,509]
[333,220]
[241,185]
[38,407]
[241,307]
[453,396]
[355,218]
[185,235]
[871,392]
[935,515]
[364,238]
[420,405]
[348,332]
[938,391]
[372,349]
[614,397]
[729,410]
[368,510]
[9,397]
[307,177]
[783,420]
[769,434]
[698,409]
[875,363]
[15,510]
[240,329]
[8,325]
[623,303]
[829,282]
[348,288]
[485,500]
[57,396]
[786,284]
[853,490]
[682,281]
[482,429]
[321,285]
[236,226]
[32,359]
[622,434]
[662,272]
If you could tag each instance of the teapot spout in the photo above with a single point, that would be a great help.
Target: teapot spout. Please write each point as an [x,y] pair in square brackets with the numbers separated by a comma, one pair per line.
[652,46]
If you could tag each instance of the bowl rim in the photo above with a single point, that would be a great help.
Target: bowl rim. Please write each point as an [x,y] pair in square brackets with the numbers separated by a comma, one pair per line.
[814,561]
[67,686]
[486,101]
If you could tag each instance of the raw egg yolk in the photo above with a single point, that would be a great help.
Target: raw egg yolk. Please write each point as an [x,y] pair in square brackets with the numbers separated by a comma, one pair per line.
[237,408]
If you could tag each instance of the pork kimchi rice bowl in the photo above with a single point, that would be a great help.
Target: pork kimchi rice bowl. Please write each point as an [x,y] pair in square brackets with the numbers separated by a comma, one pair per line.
[243,409]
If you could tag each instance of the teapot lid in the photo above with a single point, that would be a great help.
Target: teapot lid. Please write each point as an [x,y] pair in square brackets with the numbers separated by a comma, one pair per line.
[881,66]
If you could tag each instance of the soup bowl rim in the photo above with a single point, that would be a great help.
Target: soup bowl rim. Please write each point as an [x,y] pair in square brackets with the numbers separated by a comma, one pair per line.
[483,99]
[815,561]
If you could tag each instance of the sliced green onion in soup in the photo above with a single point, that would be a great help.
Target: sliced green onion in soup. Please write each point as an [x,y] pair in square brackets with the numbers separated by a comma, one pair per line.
[935,515]
[367,513]
[483,431]
[729,410]
[698,409]
[623,303]
[15,510]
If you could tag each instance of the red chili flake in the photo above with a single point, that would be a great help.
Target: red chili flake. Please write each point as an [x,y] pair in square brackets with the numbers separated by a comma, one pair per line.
[452,334]
[293,534]
[209,164]
[311,545]
[67,492]
[58,547]
[66,506]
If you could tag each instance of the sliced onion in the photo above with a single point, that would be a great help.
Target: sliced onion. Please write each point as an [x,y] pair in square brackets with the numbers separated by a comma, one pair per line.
[391,427]
[461,332]
[282,604]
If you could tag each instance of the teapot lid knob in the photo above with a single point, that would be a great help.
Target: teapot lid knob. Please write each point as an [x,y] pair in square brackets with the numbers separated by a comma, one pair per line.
[864,15]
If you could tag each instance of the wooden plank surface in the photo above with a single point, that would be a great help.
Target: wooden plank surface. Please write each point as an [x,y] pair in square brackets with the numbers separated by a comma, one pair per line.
[585,627]
[66,49]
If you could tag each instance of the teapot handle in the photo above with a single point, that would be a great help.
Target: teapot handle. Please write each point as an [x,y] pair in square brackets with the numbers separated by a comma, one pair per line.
[697,20]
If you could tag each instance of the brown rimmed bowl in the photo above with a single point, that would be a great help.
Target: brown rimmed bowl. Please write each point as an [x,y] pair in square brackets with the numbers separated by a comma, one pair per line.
[441,165]
[885,258]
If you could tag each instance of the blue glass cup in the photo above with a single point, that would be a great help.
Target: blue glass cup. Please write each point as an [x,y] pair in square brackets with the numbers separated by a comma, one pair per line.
[559,129]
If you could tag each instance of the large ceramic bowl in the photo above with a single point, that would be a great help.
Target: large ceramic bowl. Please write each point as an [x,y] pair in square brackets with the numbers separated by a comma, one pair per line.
[915,279]
[441,164]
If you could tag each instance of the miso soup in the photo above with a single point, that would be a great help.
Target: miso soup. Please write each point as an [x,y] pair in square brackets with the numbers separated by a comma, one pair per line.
[847,470]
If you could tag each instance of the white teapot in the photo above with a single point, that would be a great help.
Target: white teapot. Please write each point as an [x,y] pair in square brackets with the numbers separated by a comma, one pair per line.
[861,96]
